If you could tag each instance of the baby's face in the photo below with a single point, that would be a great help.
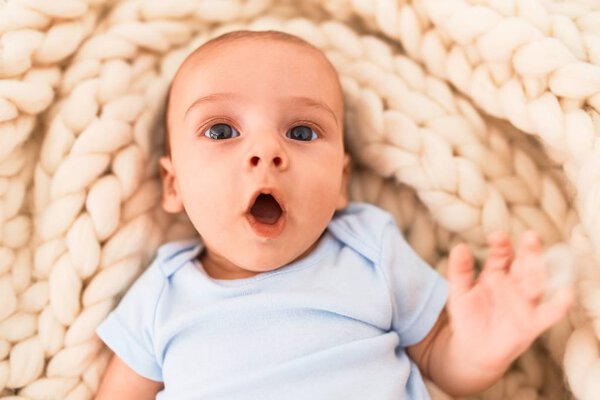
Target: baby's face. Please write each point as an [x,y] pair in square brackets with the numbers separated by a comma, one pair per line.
[257,158]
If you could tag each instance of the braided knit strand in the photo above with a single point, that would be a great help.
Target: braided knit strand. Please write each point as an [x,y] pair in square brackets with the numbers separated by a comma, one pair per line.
[82,88]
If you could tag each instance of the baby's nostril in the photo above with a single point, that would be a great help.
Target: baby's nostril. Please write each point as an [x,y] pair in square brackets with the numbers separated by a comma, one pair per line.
[255,160]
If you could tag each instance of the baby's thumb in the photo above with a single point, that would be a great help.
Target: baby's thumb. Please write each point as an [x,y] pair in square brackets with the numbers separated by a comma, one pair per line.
[554,309]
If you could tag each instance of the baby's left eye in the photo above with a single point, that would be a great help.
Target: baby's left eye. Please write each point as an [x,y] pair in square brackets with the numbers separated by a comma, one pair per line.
[302,133]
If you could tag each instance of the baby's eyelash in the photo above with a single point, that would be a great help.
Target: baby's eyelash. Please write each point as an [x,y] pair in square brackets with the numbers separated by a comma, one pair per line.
[312,125]
[204,125]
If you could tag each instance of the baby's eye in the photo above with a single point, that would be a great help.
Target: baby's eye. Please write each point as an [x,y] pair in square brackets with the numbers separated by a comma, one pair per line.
[221,131]
[301,132]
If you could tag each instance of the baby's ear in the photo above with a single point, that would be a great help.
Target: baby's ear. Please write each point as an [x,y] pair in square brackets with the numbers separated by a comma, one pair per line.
[343,197]
[171,201]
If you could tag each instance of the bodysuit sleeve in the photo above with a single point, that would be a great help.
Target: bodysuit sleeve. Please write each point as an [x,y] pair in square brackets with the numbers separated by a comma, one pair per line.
[129,329]
[419,293]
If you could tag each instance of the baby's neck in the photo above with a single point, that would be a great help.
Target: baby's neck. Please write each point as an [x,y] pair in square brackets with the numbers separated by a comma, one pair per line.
[222,269]
[218,267]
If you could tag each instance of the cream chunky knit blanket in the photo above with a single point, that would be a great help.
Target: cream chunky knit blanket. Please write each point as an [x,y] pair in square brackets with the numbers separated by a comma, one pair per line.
[464,116]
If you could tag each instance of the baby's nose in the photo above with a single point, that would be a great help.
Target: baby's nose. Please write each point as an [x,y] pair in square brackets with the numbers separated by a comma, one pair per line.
[268,155]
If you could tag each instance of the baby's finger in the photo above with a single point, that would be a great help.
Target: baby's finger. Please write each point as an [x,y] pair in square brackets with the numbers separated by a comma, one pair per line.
[529,268]
[530,276]
[553,310]
[530,242]
[500,253]
[460,270]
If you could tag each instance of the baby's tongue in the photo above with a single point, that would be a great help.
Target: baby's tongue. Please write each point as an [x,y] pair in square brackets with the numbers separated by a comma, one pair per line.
[266,209]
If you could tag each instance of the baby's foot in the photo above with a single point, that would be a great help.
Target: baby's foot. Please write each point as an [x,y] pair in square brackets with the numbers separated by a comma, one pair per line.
[500,254]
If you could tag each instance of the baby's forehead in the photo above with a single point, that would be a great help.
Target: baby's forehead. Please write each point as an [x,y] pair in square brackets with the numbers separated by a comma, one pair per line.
[242,39]
[207,65]
[214,49]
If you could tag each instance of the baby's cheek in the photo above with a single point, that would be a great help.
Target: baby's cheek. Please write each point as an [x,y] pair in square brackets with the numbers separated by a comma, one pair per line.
[331,183]
[202,193]
[321,199]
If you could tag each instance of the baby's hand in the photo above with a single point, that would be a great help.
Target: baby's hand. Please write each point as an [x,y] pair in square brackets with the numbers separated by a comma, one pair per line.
[495,318]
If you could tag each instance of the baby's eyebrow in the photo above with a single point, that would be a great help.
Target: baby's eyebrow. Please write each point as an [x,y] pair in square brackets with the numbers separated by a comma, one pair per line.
[211,98]
[298,100]
[307,101]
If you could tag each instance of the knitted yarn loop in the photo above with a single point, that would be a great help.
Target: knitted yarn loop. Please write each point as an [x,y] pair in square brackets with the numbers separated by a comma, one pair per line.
[463,118]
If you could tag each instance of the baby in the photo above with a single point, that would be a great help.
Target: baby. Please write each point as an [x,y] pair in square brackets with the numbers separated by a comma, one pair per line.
[294,292]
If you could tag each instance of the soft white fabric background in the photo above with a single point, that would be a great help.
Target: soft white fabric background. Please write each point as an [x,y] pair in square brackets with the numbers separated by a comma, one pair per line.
[463,117]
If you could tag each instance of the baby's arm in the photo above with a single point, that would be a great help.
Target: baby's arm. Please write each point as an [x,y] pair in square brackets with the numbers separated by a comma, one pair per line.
[488,323]
[121,382]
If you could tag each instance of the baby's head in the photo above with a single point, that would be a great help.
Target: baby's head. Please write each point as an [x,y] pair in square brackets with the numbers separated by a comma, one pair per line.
[255,149]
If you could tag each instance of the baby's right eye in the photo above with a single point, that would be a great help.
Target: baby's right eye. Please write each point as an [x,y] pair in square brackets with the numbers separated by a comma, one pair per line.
[221,131]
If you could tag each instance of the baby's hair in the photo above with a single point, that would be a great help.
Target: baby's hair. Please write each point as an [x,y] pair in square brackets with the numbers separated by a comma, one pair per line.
[219,40]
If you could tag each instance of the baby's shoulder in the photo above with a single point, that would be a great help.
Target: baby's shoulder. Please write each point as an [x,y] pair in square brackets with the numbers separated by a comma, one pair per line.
[169,258]
[362,227]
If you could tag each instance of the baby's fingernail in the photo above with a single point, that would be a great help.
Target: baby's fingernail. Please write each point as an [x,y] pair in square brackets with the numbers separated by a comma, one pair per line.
[497,237]
[532,239]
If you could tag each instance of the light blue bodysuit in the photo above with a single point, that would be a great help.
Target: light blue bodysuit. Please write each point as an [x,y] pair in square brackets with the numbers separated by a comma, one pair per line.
[332,325]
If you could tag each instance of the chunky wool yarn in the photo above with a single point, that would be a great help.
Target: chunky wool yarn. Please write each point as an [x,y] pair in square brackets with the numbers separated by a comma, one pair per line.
[463,117]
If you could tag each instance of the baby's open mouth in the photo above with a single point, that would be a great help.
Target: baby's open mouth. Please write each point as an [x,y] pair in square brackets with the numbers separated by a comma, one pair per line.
[266,209]
[267,215]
